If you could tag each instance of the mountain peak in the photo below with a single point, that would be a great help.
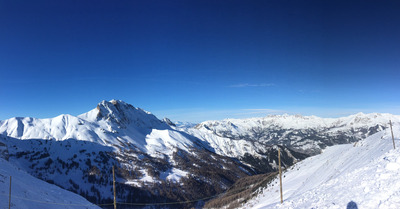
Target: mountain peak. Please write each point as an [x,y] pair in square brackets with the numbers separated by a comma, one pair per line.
[114,110]
[168,121]
[123,114]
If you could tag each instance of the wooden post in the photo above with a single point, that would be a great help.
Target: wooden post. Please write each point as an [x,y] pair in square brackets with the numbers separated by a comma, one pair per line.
[391,129]
[280,173]
[115,199]
[9,196]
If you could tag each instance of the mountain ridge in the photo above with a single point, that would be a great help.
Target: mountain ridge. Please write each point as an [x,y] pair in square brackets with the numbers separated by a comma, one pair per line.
[154,162]
[307,134]
[158,161]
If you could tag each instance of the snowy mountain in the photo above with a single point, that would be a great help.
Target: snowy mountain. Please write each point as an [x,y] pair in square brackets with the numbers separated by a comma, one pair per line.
[184,125]
[305,134]
[365,174]
[159,161]
[154,162]
[253,140]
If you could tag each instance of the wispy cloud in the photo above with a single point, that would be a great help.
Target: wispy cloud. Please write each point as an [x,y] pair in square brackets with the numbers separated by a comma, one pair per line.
[244,85]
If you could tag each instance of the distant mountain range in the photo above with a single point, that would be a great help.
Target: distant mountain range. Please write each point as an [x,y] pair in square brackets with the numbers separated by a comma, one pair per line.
[160,161]
[306,134]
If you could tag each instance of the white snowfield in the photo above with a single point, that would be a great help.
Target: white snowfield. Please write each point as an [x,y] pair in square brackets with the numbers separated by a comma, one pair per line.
[30,192]
[364,175]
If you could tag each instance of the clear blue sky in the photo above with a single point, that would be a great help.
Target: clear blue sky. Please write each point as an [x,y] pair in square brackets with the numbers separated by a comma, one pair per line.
[199,60]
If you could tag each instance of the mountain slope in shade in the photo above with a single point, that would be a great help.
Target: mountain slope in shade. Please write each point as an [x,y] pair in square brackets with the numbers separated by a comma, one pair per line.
[366,174]
[30,192]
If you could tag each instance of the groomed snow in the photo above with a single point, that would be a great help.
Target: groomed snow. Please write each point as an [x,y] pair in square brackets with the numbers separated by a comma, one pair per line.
[366,175]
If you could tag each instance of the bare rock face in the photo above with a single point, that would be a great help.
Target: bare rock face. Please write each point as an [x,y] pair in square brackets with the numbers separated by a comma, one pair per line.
[125,114]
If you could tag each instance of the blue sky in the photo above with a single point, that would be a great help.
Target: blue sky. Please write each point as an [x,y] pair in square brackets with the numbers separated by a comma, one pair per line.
[200,60]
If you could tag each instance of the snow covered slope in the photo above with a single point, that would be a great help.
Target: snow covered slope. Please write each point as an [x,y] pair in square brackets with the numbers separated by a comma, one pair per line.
[366,174]
[261,157]
[30,192]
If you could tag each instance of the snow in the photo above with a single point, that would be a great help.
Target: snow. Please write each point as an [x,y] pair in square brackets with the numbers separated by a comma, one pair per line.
[111,123]
[160,142]
[173,174]
[285,121]
[222,145]
[30,192]
[366,174]
[113,126]
[184,125]
[146,179]
[236,137]
[117,124]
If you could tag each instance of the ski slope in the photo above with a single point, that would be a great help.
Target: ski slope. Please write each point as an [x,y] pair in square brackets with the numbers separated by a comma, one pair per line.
[362,175]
